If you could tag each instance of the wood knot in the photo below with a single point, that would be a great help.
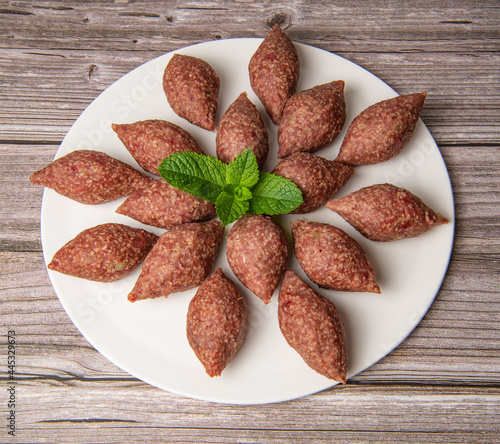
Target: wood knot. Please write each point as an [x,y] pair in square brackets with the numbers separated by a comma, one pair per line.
[93,72]
[281,18]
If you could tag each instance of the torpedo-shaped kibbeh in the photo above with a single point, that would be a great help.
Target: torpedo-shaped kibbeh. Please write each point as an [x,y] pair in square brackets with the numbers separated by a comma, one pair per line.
[381,131]
[216,322]
[312,118]
[162,205]
[331,258]
[150,141]
[180,260]
[104,253]
[90,177]
[274,71]
[192,89]
[312,326]
[242,127]
[385,212]
[257,252]
[318,178]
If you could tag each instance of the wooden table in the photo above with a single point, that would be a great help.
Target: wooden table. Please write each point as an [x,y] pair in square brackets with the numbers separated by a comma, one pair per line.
[440,385]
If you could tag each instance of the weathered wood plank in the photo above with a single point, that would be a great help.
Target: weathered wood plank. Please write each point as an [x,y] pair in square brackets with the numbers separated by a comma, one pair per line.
[434,414]
[455,342]
[62,55]
[68,433]
[386,26]
[473,172]
[440,385]
[467,305]
[457,110]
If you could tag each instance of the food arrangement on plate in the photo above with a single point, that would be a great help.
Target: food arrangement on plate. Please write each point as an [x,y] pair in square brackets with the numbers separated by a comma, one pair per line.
[195,188]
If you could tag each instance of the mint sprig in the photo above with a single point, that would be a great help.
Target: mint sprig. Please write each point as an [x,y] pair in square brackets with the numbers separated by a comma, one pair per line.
[235,188]
[243,171]
[273,194]
[229,207]
[202,176]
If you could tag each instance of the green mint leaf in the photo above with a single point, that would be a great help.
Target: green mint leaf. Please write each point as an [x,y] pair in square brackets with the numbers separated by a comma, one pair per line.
[229,208]
[235,189]
[243,170]
[242,193]
[202,176]
[274,194]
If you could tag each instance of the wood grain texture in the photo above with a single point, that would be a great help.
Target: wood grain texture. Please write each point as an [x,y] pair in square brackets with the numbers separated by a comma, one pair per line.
[442,384]
[66,55]
[400,415]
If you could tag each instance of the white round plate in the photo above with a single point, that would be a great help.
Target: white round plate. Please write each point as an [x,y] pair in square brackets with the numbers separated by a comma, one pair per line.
[147,339]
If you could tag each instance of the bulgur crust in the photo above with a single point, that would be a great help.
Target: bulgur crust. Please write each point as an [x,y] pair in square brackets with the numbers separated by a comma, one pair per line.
[312,118]
[181,259]
[274,71]
[242,127]
[104,253]
[90,177]
[150,141]
[312,326]
[385,212]
[216,322]
[192,89]
[331,258]
[381,131]
[162,205]
[318,178]
[257,252]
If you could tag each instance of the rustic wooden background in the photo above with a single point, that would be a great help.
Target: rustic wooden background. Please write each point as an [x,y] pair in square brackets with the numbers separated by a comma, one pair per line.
[440,385]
